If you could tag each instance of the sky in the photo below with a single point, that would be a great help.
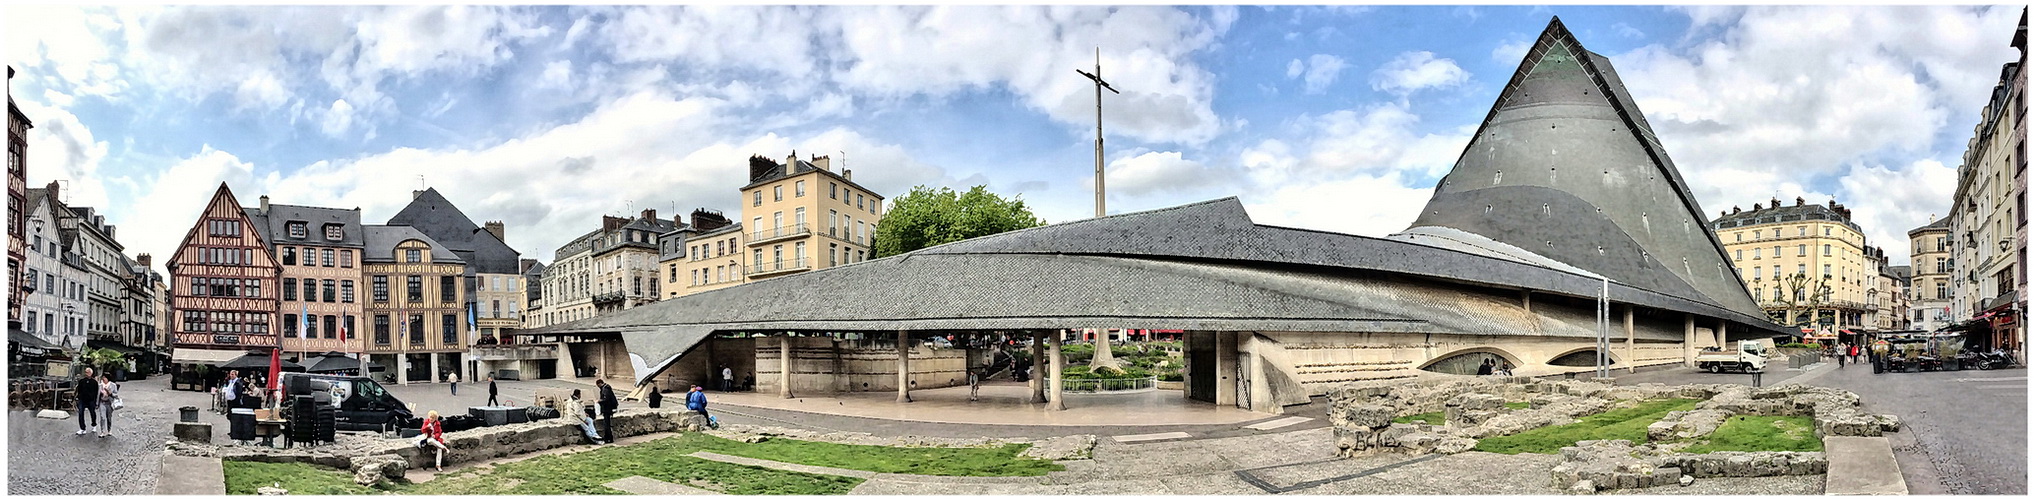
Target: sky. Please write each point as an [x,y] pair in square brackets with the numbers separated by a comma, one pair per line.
[1338,118]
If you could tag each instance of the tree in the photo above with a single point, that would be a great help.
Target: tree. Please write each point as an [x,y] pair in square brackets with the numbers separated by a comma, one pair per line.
[1803,293]
[925,217]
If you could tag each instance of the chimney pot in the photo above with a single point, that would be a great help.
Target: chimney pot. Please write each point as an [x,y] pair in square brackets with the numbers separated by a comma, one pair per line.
[650,214]
[1756,207]
[1799,201]
[144,259]
[847,174]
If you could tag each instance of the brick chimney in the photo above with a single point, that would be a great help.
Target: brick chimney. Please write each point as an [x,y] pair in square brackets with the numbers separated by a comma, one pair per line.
[495,227]
[823,163]
[610,223]
[708,220]
[144,259]
[1799,201]
[650,214]
[760,166]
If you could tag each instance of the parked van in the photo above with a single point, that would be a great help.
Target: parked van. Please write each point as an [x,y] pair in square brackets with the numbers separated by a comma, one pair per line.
[363,404]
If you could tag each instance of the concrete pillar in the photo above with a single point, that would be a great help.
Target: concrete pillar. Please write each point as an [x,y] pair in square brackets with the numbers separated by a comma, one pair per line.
[785,367]
[1059,362]
[435,377]
[402,368]
[1720,332]
[1689,340]
[1035,383]
[904,367]
[1631,361]
[1226,368]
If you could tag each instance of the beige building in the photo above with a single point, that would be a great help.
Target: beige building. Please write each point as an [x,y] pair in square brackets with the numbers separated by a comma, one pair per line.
[565,283]
[626,261]
[415,304]
[797,216]
[318,251]
[1814,253]
[1988,233]
[1929,279]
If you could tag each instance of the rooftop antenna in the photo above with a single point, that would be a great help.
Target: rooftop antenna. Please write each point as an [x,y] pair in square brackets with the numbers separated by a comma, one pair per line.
[420,182]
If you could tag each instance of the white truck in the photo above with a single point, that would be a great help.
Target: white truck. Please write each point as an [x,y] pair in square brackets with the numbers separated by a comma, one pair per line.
[1750,357]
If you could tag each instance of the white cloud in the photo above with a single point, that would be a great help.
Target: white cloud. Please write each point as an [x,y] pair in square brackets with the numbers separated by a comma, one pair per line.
[338,118]
[1387,207]
[1888,202]
[1322,71]
[1627,30]
[1380,137]
[1512,51]
[1784,95]
[1413,71]
[61,147]
[1294,68]
[176,198]
[1158,172]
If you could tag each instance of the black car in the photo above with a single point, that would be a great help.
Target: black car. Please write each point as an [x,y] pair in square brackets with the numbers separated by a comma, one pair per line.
[363,404]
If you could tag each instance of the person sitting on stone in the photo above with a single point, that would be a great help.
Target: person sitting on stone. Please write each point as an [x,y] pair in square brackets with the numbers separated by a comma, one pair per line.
[576,406]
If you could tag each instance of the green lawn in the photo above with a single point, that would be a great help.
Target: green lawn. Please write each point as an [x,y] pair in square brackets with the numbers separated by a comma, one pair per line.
[1761,433]
[245,478]
[665,460]
[1625,423]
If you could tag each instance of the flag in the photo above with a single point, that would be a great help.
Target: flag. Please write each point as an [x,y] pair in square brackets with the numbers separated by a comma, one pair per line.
[304,321]
[470,316]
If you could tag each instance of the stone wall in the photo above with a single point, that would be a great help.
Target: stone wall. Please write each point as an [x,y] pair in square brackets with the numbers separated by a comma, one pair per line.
[1323,361]
[822,365]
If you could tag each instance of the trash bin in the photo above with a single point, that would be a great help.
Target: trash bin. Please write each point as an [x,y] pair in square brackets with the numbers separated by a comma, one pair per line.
[187,414]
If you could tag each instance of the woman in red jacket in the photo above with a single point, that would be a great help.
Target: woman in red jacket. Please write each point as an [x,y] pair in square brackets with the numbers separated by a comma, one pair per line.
[433,432]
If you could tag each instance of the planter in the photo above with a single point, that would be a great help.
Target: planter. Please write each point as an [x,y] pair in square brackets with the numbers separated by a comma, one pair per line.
[1172,386]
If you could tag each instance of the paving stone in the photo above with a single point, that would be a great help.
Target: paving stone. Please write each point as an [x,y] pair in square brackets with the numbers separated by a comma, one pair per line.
[640,485]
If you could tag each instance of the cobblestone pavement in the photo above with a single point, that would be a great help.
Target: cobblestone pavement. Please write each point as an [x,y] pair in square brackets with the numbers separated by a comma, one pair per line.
[47,457]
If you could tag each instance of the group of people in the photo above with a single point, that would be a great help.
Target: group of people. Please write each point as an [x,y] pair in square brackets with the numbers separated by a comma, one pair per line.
[1846,353]
[1496,367]
[97,399]
[596,419]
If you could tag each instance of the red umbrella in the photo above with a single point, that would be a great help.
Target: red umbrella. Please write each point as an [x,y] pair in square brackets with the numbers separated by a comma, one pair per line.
[275,368]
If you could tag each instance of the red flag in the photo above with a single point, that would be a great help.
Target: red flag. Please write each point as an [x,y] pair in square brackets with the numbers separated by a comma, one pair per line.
[275,368]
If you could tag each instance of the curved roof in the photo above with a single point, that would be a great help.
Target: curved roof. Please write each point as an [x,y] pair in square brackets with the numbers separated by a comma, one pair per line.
[1566,167]
[1204,266]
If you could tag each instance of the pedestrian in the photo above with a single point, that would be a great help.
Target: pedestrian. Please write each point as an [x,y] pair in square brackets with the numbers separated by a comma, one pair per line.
[88,402]
[432,435]
[109,395]
[1841,356]
[975,384]
[657,398]
[1486,367]
[579,410]
[727,379]
[696,400]
[455,379]
[608,404]
[491,391]
[1855,354]
[1505,368]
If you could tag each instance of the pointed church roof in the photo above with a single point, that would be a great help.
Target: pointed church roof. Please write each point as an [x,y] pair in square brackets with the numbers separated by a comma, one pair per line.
[1566,167]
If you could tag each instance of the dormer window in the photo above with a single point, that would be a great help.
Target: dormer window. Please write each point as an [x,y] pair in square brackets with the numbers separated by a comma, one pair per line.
[297,230]
[333,233]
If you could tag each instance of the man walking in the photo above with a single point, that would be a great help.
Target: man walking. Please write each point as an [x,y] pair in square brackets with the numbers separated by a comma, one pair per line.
[727,379]
[455,379]
[975,384]
[608,404]
[88,402]
[491,391]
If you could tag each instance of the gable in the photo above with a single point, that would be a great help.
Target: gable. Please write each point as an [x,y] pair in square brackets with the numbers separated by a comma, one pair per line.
[224,209]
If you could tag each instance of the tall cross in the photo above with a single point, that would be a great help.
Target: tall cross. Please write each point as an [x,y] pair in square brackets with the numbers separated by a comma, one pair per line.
[1100,85]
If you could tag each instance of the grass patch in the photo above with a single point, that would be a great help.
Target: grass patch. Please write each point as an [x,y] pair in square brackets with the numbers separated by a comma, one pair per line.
[1761,433]
[1001,461]
[245,478]
[1624,423]
[664,460]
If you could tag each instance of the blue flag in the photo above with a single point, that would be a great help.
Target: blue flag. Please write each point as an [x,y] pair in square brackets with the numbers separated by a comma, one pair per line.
[303,321]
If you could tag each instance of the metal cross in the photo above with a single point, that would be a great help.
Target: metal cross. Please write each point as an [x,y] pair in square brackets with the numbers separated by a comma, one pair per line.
[1100,85]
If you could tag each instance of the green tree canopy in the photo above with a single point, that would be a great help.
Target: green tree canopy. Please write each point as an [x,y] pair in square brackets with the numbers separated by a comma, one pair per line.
[925,217]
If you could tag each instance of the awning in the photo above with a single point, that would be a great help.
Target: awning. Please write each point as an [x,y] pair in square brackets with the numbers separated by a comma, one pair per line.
[214,357]
[28,341]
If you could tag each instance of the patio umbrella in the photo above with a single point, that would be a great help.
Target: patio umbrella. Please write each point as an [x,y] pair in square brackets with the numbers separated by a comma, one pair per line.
[275,368]
[249,362]
[336,362]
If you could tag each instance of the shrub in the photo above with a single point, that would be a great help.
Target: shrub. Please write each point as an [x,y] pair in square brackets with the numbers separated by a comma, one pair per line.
[1170,377]
[1800,345]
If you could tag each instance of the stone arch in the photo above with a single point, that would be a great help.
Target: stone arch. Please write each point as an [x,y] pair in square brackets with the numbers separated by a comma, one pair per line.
[1465,361]
[1587,354]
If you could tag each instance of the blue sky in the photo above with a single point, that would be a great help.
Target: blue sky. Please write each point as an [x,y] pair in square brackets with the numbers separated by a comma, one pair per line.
[1335,118]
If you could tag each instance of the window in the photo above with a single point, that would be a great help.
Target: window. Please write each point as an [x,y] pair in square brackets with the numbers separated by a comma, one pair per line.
[449,333]
[755,224]
[347,328]
[310,290]
[858,201]
[675,274]
[333,233]
[495,311]
[1827,271]
[637,287]
[297,230]
[799,217]
[330,288]
[1827,250]
[756,257]
[415,329]
[831,217]
[1756,254]
[1777,251]
[859,233]
[289,325]
[1802,269]
[381,289]
[1827,230]
[830,254]
[777,222]
[194,321]
[414,288]
[311,326]
[778,192]
[413,255]
[325,257]
[1941,292]
[799,189]
[844,255]
[346,258]
[1738,255]
[289,288]
[758,201]
[346,291]
[1802,231]
[830,190]
[447,291]
[289,255]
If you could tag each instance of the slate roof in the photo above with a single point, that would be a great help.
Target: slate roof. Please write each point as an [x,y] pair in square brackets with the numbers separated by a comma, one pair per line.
[382,240]
[1203,266]
[1776,215]
[1566,167]
[800,167]
[437,217]
[1943,224]
[274,226]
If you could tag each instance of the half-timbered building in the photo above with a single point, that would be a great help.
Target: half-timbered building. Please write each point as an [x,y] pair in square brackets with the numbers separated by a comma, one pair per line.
[223,286]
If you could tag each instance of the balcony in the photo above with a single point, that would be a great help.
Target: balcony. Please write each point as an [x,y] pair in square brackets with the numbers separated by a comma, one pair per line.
[515,352]
[780,233]
[779,267]
[606,298]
